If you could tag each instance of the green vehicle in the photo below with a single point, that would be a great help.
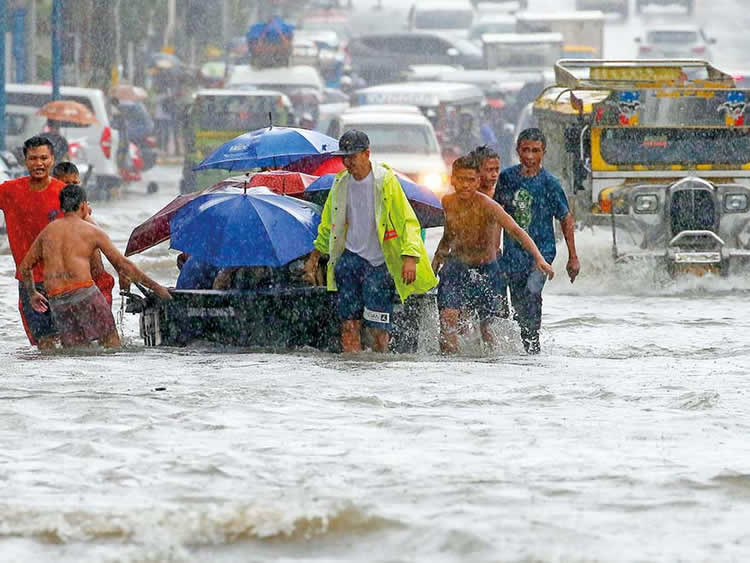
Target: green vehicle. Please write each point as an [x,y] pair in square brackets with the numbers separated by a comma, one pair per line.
[218,116]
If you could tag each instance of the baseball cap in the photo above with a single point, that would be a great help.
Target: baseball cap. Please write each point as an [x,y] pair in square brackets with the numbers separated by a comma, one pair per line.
[352,142]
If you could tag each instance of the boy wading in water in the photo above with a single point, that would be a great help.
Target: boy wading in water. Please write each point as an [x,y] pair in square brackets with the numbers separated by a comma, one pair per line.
[66,246]
[466,257]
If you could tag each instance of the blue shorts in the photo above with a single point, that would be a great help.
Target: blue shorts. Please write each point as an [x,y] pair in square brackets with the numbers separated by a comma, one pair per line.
[476,288]
[38,325]
[364,291]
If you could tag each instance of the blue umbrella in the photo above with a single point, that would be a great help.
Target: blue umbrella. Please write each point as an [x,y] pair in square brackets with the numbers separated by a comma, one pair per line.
[256,228]
[425,203]
[271,146]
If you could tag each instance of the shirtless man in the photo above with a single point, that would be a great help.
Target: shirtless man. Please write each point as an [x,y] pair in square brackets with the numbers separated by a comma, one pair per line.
[65,247]
[466,257]
[68,174]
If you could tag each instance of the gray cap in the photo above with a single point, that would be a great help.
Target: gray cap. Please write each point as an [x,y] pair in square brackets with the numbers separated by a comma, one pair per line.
[352,142]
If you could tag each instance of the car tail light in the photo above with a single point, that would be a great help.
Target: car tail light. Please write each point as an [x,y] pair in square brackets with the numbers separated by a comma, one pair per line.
[106,142]
[699,49]
[150,142]
[644,48]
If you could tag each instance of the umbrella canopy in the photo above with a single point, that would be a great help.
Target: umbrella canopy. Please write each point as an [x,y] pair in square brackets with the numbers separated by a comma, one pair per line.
[155,229]
[256,228]
[128,93]
[269,147]
[282,181]
[425,203]
[68,111]
[317,165]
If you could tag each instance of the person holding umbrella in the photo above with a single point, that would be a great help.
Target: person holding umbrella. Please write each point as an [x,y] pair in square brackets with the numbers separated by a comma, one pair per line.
[372,238]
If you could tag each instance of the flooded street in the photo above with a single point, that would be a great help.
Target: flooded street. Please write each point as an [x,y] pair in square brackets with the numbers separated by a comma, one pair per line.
[624,440]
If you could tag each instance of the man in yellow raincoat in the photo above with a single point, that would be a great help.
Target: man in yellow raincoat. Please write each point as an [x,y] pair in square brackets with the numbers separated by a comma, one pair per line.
[373,240]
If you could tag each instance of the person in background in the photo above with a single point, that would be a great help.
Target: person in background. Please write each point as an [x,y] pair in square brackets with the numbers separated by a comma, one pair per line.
[66,247]
[466,257]
[466,138]
[30,203]
[372,237]
[534,198]
[60,146]
[67,173]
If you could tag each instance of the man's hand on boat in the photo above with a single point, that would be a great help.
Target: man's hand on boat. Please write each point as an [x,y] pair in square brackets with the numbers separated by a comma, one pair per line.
[311,268]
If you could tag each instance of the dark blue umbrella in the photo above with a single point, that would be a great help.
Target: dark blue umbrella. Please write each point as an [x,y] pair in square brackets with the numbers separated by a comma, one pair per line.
[271,146]
[274,31]
[425,203]
[256,228]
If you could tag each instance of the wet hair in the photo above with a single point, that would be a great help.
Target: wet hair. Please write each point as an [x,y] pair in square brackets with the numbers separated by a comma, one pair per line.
[63,169]
[37,141]
[482,153]
[465,162]
[71,197]
[532,134]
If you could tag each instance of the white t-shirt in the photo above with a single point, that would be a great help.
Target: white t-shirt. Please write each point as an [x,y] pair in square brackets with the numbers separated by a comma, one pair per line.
[362,233]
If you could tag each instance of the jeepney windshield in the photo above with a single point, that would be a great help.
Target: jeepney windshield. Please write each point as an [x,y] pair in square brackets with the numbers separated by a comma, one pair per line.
[667,146]
[238,113]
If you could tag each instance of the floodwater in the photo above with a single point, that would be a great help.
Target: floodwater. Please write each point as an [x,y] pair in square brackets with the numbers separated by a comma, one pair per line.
[625,440]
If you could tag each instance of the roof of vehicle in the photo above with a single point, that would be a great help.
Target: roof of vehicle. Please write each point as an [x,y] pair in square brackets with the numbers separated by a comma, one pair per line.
[390,108]
[395,118]
[296,75]
[494,17]
[590,15]
[45,88]
[235,92]
[428,72]
[419,93]
[522,38]
[437,5]
[672,27]
[485,78]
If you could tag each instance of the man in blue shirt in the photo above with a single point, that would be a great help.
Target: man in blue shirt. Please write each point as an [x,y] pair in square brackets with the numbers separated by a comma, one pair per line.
[534,198]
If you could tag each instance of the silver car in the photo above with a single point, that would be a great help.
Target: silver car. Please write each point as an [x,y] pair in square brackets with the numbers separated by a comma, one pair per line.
[675,42]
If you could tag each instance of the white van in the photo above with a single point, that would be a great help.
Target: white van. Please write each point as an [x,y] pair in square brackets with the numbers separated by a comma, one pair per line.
[453,17]
[402,137]
[100,139]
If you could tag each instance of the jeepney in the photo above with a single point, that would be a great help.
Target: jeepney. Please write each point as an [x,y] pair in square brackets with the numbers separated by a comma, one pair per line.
[521,51]
[659,152]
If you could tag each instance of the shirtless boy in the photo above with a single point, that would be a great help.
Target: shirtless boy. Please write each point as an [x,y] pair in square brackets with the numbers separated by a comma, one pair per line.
[68,174]
[65,247]
[467,254]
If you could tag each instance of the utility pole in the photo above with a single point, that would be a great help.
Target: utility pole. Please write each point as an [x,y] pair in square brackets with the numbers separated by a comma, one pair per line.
[169,32]
[57,30]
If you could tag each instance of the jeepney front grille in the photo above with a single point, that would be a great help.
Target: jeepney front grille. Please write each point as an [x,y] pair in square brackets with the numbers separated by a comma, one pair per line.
[692,210]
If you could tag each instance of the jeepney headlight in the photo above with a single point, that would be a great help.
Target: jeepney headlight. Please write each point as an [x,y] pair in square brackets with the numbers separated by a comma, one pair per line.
[735,203]
[646,203]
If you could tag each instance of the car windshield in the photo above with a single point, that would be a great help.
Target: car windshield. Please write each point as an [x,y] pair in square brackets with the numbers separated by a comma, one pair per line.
[664,146]
[672,36]
[410,139]
[443,19]
[238,113]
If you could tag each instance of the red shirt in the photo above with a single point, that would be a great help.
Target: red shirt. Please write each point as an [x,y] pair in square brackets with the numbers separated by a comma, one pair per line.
[26,214]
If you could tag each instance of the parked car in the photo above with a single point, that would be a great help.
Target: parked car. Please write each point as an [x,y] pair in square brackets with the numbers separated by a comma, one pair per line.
[675,42]
[101,138]
[402,137]
[383,57]
[689,5]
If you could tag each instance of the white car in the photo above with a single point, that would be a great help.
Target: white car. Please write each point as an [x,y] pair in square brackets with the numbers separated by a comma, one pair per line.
[675,42]
[99,138]
[401,137]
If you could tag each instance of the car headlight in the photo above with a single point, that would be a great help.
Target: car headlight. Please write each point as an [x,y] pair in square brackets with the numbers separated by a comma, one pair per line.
[735,203]
[646,203]
[432,181]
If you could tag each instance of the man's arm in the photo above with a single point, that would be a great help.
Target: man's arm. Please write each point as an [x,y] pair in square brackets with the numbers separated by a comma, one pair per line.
[513,229]
[443,249]
[568,227]
[26,268]
[320,244]
[126,267]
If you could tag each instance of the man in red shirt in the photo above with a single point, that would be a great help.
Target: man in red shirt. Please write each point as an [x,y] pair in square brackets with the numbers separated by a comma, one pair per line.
[30,204]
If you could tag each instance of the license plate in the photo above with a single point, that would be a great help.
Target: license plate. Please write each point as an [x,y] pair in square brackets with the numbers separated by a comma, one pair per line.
[697,257]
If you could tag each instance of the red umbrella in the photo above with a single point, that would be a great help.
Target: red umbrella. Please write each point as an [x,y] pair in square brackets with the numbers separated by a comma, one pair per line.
[317,165]
[155,229]
[282,181]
